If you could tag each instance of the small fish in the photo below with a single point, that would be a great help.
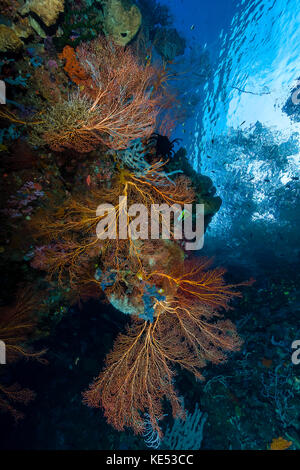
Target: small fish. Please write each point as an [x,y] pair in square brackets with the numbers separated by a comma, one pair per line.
[88,180]
[192,27]
[74,36]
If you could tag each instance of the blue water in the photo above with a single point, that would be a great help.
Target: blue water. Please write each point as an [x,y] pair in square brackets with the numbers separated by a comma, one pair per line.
[239,135]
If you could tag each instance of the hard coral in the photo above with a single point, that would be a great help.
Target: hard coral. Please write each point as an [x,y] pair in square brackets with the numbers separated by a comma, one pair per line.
[9,41]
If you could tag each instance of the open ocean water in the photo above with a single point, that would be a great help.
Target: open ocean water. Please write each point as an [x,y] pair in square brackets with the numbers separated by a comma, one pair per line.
[245,131]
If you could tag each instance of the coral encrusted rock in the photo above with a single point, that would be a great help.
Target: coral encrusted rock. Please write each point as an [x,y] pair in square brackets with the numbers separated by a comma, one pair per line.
[9,41]
[47,10]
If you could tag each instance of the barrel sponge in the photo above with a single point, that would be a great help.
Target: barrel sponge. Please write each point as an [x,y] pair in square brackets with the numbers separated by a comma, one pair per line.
[122,20]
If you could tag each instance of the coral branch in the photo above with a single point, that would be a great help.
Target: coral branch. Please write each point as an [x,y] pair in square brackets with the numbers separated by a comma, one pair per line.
[136,378]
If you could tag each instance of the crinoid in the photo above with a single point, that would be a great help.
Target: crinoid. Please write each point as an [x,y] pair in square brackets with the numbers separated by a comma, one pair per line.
[164,147]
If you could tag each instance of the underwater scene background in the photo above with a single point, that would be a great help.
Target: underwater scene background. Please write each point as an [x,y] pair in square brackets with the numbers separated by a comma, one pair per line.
[162,101]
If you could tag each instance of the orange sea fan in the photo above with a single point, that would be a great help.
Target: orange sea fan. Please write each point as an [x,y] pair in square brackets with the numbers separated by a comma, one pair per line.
[136,378]
[17,323]
[197,334]
[71,242]
[12,394]
[187,330]
[193,279]
[115,106]
[139,371]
